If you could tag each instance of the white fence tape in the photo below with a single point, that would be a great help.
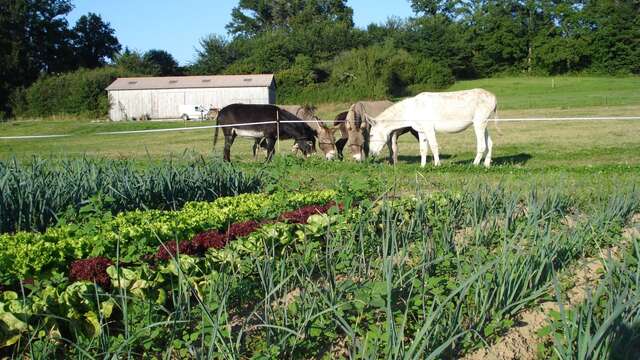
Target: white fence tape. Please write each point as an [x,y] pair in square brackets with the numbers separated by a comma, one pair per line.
[613,118]
[32,137]
[194,128]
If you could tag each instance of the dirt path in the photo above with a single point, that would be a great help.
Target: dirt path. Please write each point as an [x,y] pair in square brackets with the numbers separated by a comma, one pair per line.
[521,342]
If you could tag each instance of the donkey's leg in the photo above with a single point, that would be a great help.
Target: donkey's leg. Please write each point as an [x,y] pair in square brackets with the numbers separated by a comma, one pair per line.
[392,144]
[228,141]
[424,148]
[487,159]
[340,147]
[481,144]
[433,143]
[365,146]
[256,144]
[271,148]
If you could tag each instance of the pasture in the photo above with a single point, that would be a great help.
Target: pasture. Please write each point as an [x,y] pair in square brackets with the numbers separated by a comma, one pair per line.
[571,150]
[536,257]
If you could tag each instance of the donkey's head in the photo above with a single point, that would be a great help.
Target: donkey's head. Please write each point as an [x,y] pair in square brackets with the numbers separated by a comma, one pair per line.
[358,130]
[306,147]
[325,135]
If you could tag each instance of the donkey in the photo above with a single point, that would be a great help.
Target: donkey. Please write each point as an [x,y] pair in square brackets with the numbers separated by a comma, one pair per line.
[357,129]
[261,122]
[428,113]
[325,135]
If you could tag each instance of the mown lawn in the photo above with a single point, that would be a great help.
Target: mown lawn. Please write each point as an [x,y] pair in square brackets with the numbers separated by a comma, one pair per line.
[559,92]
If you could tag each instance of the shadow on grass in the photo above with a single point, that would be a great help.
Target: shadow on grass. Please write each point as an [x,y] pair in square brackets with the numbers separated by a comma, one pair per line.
[517,159]
[416,158]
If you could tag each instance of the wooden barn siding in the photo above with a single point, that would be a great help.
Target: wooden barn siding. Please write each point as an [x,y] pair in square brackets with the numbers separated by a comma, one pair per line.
[165,103]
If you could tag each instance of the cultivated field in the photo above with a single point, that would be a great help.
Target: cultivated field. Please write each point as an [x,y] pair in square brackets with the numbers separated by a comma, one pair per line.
[147,246]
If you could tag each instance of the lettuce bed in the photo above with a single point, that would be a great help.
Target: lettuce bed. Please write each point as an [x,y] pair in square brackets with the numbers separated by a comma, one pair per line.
[132,235]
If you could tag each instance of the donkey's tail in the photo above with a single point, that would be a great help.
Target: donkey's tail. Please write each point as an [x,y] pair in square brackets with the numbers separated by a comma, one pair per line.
[496,118]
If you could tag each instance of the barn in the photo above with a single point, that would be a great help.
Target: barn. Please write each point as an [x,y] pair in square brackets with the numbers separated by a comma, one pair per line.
[166,97]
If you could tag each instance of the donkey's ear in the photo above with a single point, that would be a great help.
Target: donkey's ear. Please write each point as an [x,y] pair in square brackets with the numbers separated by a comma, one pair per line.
[322,124]
[369,119]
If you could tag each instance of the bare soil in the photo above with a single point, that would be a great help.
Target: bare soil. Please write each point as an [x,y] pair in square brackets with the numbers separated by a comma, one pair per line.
[521,342]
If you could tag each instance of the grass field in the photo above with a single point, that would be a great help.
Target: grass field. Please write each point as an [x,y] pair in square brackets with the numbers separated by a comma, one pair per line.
[549,149]
[559,92]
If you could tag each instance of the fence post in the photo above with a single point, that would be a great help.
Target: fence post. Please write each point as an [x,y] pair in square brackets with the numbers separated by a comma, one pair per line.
[278,128]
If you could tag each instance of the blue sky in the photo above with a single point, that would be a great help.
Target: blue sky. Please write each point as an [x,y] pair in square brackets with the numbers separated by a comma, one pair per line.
[176,26]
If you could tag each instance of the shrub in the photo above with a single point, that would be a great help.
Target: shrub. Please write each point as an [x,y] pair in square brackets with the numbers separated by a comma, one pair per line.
[433,74]
[81,92]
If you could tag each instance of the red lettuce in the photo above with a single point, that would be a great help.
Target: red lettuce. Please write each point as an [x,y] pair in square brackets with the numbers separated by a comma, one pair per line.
[94,270]
[302,215]
[208,240]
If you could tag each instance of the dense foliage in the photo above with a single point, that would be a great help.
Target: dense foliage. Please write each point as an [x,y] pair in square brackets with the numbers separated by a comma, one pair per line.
[431,277]
[319,55]
[324,57]
[35,39]
[152,63]
[34,194]
[80,93]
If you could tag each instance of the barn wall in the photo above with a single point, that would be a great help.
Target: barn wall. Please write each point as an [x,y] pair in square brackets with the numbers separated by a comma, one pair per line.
[165,103]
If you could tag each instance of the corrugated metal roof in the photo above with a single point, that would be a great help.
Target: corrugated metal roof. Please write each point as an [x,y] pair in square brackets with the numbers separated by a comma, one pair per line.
[189,82]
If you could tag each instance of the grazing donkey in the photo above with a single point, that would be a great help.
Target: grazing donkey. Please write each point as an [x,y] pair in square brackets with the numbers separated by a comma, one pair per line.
[261,122]
[357,129]
[428,113]
[324,135]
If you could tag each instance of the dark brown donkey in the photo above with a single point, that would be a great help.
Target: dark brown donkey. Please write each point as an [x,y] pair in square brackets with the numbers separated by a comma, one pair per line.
[261,122]
[325,135]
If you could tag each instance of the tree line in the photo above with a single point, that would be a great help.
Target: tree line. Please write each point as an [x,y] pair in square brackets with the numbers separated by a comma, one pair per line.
[318,54]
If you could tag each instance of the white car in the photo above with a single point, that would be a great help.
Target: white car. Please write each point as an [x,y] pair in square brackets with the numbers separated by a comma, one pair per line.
[194,112]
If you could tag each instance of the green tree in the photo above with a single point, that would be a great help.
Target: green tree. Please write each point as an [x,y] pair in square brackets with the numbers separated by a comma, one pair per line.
[435,7]
[161,63]
[614,36]
[561,44]
[500,37]
[34,39]
[131,61]
[378,71]
[442,40]
[252,17]
[94,41]
[214,55]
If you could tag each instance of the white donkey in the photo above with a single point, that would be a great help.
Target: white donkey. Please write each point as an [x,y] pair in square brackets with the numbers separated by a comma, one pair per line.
[428,113]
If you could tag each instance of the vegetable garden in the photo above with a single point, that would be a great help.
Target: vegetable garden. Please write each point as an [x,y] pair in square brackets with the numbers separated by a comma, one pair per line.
[325,274]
